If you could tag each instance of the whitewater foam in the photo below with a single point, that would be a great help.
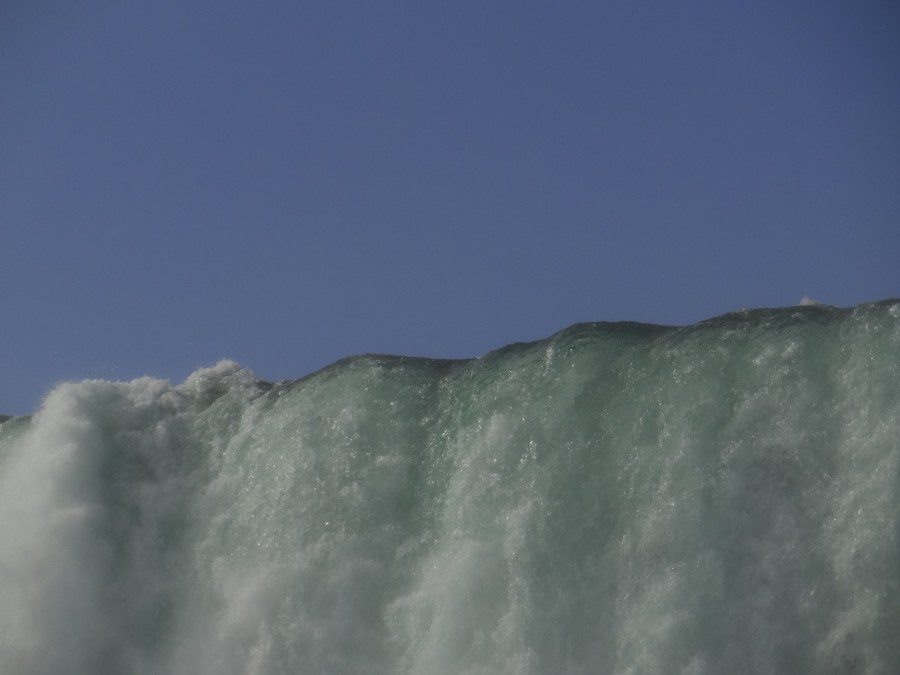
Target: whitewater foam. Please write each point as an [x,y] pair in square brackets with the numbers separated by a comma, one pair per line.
[618,498]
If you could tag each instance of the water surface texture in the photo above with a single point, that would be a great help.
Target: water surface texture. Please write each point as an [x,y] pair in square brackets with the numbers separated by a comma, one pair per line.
[617,498]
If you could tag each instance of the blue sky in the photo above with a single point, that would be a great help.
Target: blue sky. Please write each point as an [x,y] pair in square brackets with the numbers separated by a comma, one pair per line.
[286,183]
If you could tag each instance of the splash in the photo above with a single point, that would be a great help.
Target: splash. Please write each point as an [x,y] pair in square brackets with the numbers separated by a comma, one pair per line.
[618,498]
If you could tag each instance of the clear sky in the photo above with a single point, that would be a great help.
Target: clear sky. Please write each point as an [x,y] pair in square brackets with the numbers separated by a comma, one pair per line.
[286,183]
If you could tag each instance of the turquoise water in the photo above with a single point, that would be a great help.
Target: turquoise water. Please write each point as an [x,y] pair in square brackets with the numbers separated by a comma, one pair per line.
[617,498]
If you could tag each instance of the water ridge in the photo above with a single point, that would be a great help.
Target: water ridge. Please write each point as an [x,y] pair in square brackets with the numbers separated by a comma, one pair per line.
[617,498]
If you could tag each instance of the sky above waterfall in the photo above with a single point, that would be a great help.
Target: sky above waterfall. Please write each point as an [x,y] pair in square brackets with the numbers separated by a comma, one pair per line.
[286,183]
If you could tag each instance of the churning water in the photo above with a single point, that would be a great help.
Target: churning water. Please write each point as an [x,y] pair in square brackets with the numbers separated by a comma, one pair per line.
[618,498]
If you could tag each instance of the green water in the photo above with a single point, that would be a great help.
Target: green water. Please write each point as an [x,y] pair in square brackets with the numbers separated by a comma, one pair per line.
[618,498]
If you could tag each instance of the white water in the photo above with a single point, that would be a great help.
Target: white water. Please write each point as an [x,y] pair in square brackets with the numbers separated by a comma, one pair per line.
[616,499]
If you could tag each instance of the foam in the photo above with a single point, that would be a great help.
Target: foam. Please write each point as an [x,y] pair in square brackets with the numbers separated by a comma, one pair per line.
[617,498]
